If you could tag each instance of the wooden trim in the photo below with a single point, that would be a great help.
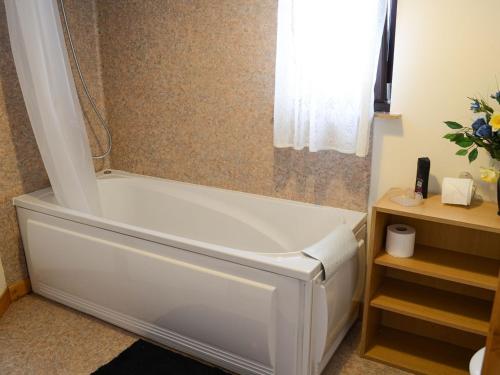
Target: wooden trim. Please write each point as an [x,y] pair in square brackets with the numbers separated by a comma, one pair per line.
[387,116]
[19,289]
[492,357]
[374,276]
[12,293]
[4,302]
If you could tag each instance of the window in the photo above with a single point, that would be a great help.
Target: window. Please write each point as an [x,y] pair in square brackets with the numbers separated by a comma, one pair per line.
[326,67]
[384,74]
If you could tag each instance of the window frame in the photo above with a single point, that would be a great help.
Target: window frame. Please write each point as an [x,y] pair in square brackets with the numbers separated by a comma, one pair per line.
[383,82]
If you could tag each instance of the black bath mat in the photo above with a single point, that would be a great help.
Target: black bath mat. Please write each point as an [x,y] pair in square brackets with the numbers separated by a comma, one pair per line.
[144,358]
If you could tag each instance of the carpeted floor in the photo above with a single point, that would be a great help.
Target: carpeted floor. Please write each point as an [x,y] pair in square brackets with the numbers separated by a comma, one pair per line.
[38,336]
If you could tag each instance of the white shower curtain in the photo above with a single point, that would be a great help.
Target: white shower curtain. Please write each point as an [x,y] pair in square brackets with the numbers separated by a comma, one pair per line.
[50,96]
[326,65]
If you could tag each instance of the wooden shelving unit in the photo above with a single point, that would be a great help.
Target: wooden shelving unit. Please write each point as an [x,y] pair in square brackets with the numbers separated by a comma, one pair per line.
[428,314]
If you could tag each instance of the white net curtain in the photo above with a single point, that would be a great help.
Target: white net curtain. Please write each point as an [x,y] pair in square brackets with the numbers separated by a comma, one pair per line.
[326,65]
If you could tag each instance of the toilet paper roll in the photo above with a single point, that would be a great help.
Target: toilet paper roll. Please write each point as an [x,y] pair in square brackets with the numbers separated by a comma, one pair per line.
[400,240]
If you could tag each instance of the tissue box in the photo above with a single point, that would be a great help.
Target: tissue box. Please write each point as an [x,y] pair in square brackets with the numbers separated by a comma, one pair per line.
[457,191]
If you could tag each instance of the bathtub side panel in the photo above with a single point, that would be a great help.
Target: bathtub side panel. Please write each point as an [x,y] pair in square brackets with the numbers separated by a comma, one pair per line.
[336,303]
[241,318]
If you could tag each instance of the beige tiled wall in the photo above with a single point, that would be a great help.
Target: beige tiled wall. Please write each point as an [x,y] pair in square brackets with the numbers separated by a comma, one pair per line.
[21,168]
[189,89]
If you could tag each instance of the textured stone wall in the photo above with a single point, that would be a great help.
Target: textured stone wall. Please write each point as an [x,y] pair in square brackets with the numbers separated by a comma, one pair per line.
[189,88]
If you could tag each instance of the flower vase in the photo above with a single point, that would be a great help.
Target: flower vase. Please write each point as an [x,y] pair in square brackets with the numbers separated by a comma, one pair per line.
[498,196]
[492,175]
[495,164]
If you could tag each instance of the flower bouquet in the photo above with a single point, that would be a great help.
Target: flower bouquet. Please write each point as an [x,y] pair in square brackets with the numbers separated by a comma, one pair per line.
[484,133]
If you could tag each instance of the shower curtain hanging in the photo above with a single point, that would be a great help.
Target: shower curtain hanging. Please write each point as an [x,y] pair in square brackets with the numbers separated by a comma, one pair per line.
[50,96]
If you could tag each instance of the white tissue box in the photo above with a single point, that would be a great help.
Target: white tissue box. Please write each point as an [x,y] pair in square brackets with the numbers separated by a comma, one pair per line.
[457,191]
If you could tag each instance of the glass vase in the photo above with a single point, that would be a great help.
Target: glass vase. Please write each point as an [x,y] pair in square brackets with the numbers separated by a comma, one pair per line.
[495,164]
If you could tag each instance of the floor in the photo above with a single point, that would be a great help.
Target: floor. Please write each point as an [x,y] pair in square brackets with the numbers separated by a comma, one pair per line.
[40,337]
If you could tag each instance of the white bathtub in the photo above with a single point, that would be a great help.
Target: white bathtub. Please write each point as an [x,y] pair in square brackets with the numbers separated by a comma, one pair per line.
[214,273]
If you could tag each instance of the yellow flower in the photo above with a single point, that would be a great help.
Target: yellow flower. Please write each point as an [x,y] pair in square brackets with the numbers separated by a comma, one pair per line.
[495,121]
[489,174]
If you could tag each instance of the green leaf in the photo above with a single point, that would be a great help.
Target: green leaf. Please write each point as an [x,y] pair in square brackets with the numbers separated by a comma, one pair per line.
[450,136]
[473,155]
[462,152]
[453,125]
[464,143]
[486,106]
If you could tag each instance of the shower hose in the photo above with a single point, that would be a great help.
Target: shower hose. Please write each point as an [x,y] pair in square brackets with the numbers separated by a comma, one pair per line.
[102,122]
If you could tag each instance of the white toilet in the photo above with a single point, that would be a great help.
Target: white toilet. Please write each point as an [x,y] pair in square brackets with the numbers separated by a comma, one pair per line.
[476,362]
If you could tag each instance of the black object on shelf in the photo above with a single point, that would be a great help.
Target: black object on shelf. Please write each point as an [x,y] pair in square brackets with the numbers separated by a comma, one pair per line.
[422,182]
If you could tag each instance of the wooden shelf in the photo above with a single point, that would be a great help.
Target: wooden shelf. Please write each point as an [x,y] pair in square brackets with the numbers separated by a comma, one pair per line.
[418,354]
[480,215]
[434,305]
[429,313]
[448,265]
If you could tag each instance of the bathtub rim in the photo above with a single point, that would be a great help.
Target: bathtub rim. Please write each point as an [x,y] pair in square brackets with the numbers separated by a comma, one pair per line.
[295,264]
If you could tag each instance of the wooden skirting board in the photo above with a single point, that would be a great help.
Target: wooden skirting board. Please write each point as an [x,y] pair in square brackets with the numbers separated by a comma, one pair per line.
[4,302]
[13,293]
[19,289]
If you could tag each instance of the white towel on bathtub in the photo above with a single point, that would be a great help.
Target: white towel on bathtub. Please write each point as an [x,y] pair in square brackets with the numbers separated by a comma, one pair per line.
[334,250]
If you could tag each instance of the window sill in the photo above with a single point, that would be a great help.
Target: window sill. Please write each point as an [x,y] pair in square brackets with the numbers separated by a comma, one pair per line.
[387,116]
